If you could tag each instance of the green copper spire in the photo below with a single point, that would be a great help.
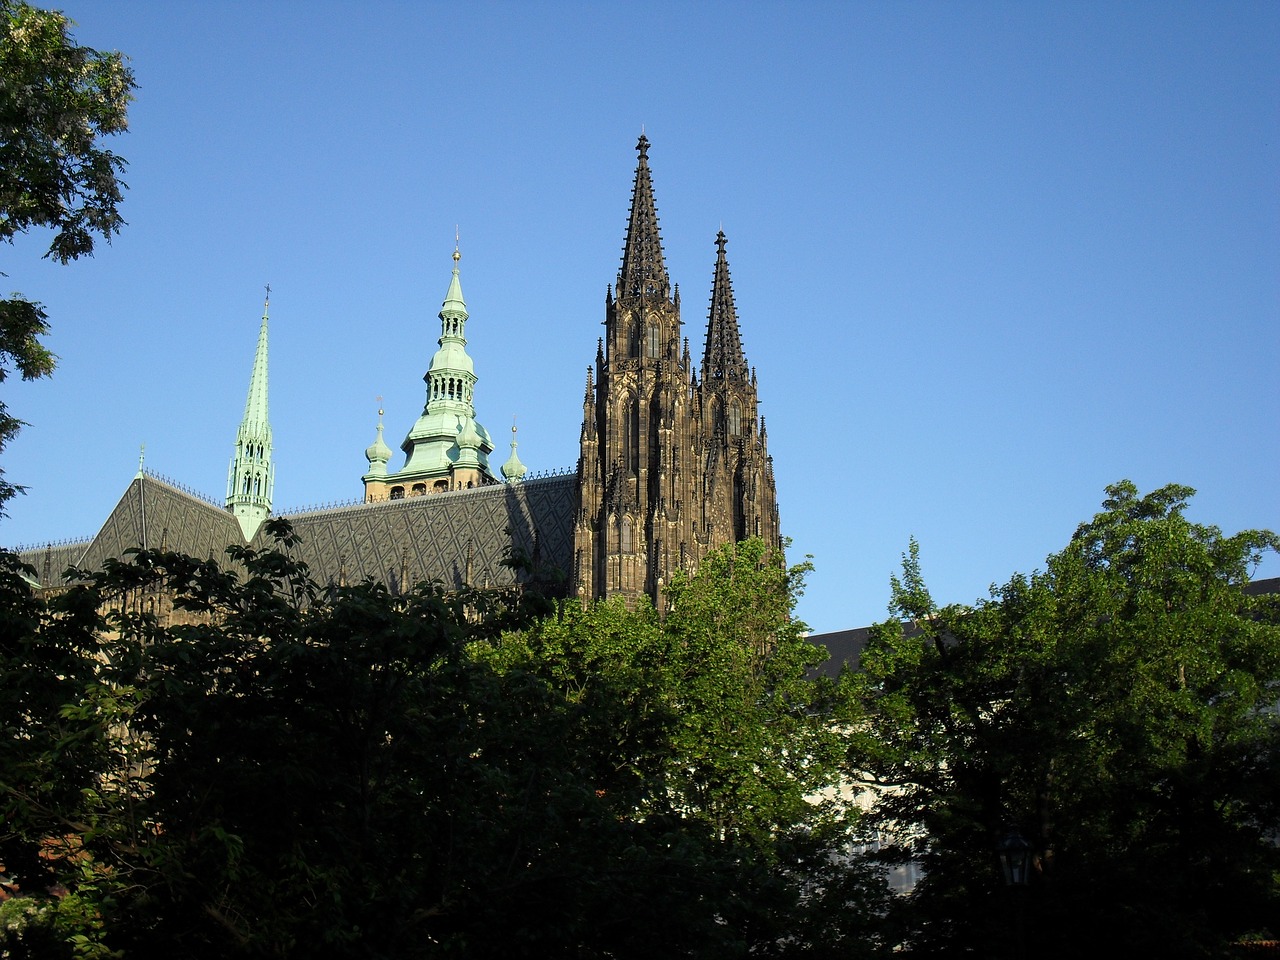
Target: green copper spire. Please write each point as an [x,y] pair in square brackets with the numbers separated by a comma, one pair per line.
[513,469]
[378,453]
[251,477]
[448,441]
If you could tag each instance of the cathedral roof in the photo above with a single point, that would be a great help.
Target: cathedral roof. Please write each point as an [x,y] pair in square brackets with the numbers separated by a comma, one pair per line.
[442,536]
[456,538]
[151,513]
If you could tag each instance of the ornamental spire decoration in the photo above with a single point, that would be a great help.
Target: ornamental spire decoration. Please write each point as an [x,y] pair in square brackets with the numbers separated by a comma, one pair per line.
[644,269]
[251,476]
[722,358]
[513,470]
[447,448]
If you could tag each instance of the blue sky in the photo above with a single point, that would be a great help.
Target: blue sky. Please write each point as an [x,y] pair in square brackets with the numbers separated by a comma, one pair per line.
[987,257]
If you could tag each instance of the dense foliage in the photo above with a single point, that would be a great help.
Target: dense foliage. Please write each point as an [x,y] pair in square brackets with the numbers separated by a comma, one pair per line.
[1118,710]
[338,771]
[286,769]
[57,100]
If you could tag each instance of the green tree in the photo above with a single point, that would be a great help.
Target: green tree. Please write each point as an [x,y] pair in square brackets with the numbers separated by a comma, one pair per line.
[704,733]
[1118,710]
[287,769]
[57,100]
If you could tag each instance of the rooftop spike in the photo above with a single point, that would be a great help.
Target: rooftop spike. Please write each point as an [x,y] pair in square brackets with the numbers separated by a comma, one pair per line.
[454,306]
[251,475]
[378,453]
[723,358]
[513,469]
[644,270]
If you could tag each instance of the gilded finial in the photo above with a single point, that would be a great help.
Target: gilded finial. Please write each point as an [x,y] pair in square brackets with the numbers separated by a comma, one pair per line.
[457,244]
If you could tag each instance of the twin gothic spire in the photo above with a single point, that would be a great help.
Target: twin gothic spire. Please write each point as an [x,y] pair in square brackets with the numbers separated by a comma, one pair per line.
[669,467]
[644,271]
[723,359]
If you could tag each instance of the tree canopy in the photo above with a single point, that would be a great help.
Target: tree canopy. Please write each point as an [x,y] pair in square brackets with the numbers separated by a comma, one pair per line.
[279,767]
[1118,710]
[57,101]
[285,768]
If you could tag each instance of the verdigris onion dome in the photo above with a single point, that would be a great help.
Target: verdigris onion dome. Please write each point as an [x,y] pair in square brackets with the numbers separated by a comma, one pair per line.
[378,453]
[513,469]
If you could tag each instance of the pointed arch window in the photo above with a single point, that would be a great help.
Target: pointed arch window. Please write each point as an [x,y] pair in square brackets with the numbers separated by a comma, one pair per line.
[654,342]
[633,432]
[626,541]
[735,419]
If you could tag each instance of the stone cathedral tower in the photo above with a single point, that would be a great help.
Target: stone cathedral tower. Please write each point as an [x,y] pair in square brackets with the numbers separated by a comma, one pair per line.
[670,467]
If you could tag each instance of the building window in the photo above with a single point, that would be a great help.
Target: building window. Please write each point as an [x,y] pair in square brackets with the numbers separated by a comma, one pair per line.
[418,489]
[397,493]
[654,343]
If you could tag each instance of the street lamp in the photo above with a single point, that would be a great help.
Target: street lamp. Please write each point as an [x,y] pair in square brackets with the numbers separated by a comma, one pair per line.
[1015,859]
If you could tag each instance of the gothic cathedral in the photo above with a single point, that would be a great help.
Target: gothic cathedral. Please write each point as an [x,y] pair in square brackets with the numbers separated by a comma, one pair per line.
[671,466]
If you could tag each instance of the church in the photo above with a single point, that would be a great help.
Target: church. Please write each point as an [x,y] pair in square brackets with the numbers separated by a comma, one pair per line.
[673,463]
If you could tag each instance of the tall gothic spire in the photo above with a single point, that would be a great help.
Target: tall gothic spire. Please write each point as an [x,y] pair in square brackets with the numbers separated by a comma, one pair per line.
[643,268]
[251,476]
[723,359]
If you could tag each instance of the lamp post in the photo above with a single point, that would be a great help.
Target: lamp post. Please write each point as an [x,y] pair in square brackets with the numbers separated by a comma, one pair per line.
[1015,859]
[1014,853]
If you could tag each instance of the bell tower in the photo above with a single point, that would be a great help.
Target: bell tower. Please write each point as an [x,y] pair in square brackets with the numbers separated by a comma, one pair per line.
[447,448]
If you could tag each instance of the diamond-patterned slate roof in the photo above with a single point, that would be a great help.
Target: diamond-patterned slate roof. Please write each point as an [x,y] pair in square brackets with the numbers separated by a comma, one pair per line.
[441,537]
[50,561]
[151,513]
[435,537]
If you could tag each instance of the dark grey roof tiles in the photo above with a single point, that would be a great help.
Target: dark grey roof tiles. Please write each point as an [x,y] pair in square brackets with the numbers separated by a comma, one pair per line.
[459,539]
